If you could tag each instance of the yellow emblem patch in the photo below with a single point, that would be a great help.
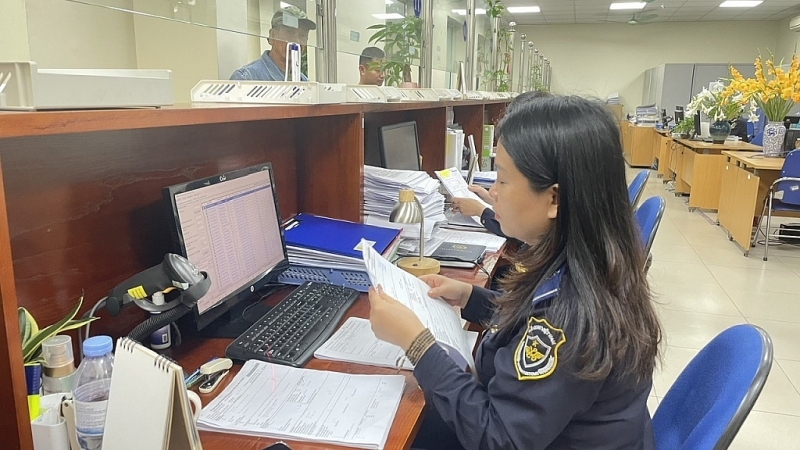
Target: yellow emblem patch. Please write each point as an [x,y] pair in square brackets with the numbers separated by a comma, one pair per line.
[536,356]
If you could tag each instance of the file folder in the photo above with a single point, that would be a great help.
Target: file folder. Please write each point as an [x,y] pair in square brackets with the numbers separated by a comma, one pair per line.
[338,237]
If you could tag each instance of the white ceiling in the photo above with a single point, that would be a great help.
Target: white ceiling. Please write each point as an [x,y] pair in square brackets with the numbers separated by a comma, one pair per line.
[597,11]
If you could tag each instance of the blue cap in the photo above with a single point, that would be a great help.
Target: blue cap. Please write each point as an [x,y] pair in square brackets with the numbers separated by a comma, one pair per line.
[97,346]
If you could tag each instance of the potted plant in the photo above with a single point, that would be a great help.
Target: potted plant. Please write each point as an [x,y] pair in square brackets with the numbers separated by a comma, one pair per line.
[684,128]
[32,336]
[722,105]
[401,40]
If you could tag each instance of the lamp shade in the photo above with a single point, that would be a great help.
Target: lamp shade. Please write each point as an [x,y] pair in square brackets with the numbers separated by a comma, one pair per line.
[406,210]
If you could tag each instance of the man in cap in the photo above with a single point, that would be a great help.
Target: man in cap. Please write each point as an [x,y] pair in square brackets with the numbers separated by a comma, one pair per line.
[289,24]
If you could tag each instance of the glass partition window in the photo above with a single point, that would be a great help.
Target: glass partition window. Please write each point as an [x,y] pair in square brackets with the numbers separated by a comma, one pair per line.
[378,42]
[449,42]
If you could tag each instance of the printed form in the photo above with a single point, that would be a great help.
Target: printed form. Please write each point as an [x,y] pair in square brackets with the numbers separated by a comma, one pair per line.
[456,186]
[436,314]
[355,342]
[284,402]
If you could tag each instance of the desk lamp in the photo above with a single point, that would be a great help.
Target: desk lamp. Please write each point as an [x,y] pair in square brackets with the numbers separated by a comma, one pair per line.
[409,210]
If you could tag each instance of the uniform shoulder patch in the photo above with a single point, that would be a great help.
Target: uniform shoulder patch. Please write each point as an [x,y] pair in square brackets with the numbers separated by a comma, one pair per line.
[536,356]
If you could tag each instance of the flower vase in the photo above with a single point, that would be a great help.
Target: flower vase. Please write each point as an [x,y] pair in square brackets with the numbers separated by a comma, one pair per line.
[719,131]
[774,133]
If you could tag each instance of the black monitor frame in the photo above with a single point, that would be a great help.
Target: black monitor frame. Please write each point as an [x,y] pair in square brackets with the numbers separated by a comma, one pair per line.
[195,322]
[381,135]
[698,130]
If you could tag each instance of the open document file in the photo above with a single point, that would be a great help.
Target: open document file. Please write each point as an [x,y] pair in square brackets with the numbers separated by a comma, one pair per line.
[435,314]
[283,402]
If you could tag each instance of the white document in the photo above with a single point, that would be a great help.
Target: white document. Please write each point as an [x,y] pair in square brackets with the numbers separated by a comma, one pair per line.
[355,342]
[435,314]
[283,402]
[456,186]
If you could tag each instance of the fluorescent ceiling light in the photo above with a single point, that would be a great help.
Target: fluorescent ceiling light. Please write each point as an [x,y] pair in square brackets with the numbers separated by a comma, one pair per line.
[523,9]
[284,5]
[740,4]
[389,2]
[628,5]
[463,12]
[388,16]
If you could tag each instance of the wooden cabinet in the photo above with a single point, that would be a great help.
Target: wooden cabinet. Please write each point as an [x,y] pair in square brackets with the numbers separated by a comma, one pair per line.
[664,156]
[637,144]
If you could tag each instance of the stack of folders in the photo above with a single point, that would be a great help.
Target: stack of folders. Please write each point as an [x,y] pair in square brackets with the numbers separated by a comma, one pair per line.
[381,191]
[478,243]
[315,241]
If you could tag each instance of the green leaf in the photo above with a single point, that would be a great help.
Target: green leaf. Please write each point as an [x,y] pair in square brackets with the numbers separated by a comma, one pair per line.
[30,348]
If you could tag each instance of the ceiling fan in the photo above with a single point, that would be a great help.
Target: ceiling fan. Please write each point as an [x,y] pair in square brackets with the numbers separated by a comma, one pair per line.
[634,20]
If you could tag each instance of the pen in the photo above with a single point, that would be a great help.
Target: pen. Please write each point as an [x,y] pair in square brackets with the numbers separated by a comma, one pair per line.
[33,379]
[195,377]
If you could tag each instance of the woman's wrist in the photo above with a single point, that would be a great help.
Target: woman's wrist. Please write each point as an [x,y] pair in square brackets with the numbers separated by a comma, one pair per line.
[419,346]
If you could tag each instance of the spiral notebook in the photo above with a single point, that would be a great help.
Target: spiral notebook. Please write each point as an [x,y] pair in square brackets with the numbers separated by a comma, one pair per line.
[148,407]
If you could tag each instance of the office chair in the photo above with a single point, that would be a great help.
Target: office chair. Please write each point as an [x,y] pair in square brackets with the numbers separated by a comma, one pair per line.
[636,188]
[783,195]
[713,395]
[648,217]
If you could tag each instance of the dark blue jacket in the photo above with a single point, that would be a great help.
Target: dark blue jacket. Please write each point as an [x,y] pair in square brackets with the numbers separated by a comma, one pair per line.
[490,223]
[525,396]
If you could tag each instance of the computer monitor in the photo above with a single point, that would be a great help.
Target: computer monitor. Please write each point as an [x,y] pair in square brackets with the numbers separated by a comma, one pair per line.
[678,114]
[229,226]
[698,131]
[400,146]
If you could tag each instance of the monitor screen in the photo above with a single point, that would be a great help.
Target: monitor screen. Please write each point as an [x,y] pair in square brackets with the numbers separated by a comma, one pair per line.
[678,115]
[229,226]
[399,146]
[698,130]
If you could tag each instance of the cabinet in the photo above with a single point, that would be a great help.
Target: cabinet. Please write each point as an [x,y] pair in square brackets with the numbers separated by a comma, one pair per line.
[671,85]
[637,144]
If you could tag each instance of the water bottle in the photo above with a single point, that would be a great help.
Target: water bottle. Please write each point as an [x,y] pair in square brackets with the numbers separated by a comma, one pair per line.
[90,392]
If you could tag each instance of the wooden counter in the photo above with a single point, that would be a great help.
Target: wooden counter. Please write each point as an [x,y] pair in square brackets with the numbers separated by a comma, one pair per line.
[81,207]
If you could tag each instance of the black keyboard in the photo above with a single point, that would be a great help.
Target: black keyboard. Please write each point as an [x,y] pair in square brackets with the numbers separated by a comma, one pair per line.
[291,331]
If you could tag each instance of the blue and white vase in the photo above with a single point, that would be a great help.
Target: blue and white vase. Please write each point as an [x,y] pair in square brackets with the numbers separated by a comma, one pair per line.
[774,133]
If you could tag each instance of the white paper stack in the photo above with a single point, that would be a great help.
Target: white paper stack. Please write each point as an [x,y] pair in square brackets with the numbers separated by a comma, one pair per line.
[309,405]
[613,98]
[382,186]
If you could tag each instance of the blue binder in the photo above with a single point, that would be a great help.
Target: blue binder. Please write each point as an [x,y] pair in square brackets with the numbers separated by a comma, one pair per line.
[335,236]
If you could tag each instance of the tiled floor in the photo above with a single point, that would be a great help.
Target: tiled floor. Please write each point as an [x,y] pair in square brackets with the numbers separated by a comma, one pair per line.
[703,284]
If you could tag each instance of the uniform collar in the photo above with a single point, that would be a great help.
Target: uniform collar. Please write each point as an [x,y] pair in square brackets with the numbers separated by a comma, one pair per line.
[549,288]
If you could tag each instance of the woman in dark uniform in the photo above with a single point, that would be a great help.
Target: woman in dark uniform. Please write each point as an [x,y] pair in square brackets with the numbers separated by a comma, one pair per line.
[572,341]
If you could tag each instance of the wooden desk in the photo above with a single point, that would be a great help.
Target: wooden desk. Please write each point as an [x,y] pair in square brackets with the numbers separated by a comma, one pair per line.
[745,182]
[81,207]
[698,170]
[195,352]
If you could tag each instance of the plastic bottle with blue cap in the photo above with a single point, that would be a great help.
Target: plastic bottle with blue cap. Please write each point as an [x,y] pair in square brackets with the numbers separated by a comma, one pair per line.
[90,392]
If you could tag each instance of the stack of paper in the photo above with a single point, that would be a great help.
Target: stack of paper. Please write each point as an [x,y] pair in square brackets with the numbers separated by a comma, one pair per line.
[283,402]
[489,240]
[435,314]
[316,241]
[355,342]
[381,188]
[613,98]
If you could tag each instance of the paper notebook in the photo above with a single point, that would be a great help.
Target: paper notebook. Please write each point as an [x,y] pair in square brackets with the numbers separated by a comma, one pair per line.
[148,407]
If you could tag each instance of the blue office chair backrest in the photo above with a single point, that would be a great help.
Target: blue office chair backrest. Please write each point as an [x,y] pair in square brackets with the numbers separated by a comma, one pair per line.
[789,191]
[648,217]
[758,139]
[636,187]
[707,404]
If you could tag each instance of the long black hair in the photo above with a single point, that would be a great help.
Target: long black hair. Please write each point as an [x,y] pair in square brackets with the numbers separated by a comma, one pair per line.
[604,306]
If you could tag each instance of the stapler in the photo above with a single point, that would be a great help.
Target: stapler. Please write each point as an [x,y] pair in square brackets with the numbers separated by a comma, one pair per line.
[212,373]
